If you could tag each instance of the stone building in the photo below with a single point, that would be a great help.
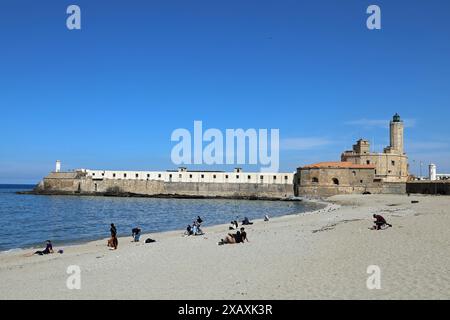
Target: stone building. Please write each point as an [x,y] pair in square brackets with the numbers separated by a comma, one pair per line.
[360,171]
[392,164]
[330,178]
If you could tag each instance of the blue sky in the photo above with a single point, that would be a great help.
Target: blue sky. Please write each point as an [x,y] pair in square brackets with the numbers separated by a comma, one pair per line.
[108,96]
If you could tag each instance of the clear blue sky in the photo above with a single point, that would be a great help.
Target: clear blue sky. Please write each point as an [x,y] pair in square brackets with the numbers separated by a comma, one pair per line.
[109,96]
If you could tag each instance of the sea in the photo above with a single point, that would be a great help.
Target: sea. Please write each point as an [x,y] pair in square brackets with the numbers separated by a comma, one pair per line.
[27,221]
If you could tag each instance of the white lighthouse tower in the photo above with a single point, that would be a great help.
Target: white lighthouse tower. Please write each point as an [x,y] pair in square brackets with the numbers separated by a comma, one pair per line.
[433,172]
[58,166]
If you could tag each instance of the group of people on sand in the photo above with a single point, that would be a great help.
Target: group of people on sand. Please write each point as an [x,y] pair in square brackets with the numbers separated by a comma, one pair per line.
[195,229]
[240,236]
[113,242]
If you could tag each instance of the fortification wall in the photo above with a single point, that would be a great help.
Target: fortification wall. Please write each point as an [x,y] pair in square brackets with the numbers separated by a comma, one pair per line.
[428,187]
[330,190]
[87,185]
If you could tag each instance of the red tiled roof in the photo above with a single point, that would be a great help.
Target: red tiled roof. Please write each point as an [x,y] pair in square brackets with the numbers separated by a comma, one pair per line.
[339,165]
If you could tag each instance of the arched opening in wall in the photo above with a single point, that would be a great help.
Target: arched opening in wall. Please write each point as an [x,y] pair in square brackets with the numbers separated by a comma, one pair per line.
[315,180]
[335,181]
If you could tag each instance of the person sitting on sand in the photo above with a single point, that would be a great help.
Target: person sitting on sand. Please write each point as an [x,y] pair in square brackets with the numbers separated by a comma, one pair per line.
[196,229]
[266,218]
[48,249]
[113,242]
[239,237]
[246,221]
[136,234]
[188,231]
[232,226]
[380,222]
[199,220]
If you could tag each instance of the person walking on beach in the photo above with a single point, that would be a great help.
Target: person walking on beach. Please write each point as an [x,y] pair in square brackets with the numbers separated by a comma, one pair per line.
[114,241]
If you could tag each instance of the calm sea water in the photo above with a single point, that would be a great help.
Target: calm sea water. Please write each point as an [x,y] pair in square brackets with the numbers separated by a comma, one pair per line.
[28,220]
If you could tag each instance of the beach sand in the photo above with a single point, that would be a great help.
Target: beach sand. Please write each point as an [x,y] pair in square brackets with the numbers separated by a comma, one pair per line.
[322,255]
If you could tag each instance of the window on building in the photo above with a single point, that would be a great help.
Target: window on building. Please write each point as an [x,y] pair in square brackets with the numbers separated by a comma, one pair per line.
[124,175]
[190,176]
[335,181]
[226,176]
[315,180]
[237,176]
[93,173]
[148,175]
[393,162]
[170,176]
[103,174]
[274,177]
[214,176]
[389,171]
[360,181]
[354,173]
[137,175]
[285,177]
[261,177]
[159,175]
[179,176]
[202,176]
[249,177]
[114,175]
[368,161]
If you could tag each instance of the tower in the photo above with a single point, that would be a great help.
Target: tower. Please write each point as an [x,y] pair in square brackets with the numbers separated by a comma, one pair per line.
[396,132]
[58,166]
[432,174]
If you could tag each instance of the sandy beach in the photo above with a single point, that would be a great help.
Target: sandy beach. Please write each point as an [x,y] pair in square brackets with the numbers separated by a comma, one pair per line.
[320,255]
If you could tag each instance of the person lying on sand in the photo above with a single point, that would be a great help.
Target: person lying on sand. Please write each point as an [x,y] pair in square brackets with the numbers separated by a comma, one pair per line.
[239,237]
[48,249]
[380,222]
[246,221]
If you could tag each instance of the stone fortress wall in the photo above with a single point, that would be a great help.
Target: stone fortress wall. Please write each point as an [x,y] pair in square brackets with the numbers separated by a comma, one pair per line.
[181,183]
